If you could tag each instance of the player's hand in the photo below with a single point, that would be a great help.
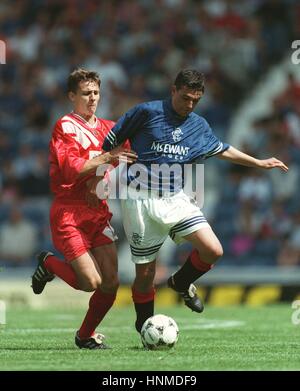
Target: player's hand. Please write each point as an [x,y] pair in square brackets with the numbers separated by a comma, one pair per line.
[97,190]
[122,154]
[273,163]
[92,183]
[92,200]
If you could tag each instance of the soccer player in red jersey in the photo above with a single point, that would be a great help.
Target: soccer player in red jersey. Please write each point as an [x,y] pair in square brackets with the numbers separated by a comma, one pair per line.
[79,219]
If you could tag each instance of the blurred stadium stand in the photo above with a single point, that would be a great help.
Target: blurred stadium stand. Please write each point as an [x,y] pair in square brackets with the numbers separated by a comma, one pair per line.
[252,100]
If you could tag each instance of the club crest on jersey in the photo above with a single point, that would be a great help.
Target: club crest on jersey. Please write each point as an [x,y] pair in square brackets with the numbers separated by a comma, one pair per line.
[177,135]
[136,238]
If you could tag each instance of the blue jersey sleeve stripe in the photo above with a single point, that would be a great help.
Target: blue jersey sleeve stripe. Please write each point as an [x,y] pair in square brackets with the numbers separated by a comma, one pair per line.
[112,133]
[111,139]
[221,147]
[216,150]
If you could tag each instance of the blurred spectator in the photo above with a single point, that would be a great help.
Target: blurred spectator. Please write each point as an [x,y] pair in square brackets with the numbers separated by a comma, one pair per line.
[276,223]
[136,51]
[290,252]
[247,227]
[285,186]
[290,97]
[255,187]
[18,239]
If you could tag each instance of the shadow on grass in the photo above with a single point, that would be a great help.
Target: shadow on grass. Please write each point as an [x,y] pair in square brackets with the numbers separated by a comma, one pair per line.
[36,349]
[137,348]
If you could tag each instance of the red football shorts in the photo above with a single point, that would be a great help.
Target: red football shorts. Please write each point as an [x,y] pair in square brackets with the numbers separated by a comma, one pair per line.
[78,228]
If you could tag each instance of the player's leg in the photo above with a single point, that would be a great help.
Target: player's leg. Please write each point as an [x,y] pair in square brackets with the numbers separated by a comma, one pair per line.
[107,262]
[82,277]
[104,254]
[47,268]
[84,272]
[143,292]
[96,270]
[191,225]
[87,272]
[208,250]
[145,236]
[207,244]
[69,240]
[80,273]
[89,279]
[105,258]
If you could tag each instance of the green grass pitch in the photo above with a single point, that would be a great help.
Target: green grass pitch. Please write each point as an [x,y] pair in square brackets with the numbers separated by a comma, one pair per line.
[227,338]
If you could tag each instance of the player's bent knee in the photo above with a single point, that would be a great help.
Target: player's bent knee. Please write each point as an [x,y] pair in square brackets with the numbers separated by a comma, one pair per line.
[217,252]
[145,271]
[88,288]
[111,287]
[90,284]
[148,275]
[212,254]
[145,274]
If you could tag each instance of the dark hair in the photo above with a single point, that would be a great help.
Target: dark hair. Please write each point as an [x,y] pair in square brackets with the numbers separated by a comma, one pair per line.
[79,75]
[190,78]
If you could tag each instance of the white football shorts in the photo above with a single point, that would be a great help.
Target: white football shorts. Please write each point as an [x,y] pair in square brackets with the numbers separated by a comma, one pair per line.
[149,221]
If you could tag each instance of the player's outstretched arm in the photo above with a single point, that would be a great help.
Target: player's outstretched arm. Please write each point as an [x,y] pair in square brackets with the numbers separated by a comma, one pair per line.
[117,154]
[238,157]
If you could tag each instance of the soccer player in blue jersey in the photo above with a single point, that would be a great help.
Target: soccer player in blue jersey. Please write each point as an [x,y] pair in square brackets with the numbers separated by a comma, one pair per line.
[168,132]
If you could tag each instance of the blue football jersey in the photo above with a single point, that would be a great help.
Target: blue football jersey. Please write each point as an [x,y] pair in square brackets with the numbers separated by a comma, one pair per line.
[160,136]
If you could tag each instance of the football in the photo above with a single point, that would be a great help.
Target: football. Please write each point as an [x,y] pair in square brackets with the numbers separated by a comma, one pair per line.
[159,332]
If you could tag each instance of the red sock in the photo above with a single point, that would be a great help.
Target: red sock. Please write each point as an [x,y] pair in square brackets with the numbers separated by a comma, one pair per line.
[62,270]
[192,269]
[141,298]
[99,305]
[198,263]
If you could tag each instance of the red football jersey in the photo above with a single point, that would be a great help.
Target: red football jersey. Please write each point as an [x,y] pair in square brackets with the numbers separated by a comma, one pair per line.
[73,142]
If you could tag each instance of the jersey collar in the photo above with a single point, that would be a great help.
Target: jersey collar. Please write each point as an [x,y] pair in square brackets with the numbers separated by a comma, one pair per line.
[172,112]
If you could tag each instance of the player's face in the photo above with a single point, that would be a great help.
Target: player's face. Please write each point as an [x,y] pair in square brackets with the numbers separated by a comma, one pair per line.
[185,100]
[86,99]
